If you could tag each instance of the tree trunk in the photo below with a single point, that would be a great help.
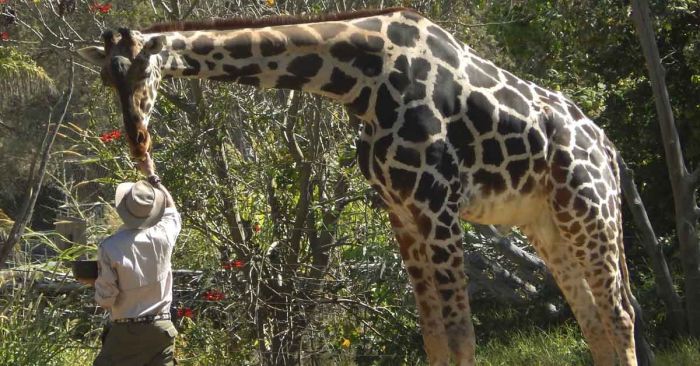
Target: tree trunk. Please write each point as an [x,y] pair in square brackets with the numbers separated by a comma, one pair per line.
[36,178]
[683,184]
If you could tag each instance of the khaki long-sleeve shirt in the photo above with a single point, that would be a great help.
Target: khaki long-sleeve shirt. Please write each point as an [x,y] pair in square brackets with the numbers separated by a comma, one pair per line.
[135,277]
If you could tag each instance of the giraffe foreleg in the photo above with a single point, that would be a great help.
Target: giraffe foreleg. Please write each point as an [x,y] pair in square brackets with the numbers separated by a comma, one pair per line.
[447,258]
[414,254]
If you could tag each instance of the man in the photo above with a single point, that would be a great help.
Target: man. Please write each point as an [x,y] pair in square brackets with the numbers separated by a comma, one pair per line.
[134,281]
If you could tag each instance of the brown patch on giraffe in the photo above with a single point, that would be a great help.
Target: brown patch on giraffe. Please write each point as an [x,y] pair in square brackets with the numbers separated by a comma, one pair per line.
[395,220]
[425,308]
[415,272]
[421,287]
[405,243]
[564,216]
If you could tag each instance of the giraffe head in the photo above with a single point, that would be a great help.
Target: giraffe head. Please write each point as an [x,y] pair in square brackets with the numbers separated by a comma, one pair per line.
[131,65]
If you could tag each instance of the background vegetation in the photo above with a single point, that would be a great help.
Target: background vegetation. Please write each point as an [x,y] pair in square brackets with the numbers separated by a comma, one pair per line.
[286,256]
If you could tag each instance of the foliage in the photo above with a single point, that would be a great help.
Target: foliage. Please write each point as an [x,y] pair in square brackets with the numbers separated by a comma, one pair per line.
[36,330]
[22,79]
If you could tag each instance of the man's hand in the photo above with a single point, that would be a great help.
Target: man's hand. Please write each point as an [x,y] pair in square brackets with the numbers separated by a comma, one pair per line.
[87,281]
[146,166]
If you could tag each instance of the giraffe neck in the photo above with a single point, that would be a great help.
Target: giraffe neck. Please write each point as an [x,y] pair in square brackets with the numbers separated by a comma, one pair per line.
[333,59]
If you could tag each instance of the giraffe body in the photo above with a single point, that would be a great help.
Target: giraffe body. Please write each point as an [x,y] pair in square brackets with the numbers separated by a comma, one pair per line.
[446,136]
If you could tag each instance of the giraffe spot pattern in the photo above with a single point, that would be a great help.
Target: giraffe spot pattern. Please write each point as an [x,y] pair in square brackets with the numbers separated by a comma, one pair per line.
[446,95]
[386,109]
[491,183]
[291,82]
[478,78]
[369,64]
[363,158]
[299,36]
[431,191]
[236,72]
[438,154]
[367,43]
[515,146]
[408,156]
[517,169]
[202,45]
[486,67]
[192,66]
[402,181]
[444,37]
[515,101]
[443,51]
[402,35]
[370,24]
[443,278]
[419,124]
[400,79]
[491,152]
[340,82]
[519,85]
[305,66]
[271,45]
[359,106]
[381,147]
[508,123]
[479,111]
[442,232]
[440,254]
[461,139]
[178,44]
[240,46]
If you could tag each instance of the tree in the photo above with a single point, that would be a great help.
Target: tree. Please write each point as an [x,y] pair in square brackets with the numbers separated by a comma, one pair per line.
[684,183]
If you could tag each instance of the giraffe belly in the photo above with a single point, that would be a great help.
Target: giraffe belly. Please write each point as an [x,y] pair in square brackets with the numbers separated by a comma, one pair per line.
[508,209]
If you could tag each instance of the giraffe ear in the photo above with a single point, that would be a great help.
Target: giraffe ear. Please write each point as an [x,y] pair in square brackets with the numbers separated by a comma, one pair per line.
[93,54]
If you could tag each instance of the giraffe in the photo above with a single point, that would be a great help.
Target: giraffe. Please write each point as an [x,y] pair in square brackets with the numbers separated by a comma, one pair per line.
[447,136]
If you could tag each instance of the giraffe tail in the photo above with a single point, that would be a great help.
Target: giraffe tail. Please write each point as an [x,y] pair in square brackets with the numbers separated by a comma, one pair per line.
[645,355]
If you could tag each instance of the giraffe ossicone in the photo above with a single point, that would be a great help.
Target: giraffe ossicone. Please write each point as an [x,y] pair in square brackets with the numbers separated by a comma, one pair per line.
[447,136]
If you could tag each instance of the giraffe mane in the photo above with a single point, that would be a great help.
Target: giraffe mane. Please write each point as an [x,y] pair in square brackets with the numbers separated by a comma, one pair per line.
[250,22]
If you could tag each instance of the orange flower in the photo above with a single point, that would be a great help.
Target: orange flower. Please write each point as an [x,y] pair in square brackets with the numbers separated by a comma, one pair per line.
[228,265]
[214,295]
[185,313]
[111,136]
[100,8]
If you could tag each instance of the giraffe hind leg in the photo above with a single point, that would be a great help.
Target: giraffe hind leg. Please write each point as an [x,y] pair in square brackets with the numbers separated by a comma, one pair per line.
[568,273]
[592,240]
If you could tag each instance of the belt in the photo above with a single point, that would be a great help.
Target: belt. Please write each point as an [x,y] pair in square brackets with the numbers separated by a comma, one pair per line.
[142,319]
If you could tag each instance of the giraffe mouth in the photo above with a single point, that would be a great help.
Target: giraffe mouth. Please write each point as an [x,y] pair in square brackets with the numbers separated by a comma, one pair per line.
[140,145]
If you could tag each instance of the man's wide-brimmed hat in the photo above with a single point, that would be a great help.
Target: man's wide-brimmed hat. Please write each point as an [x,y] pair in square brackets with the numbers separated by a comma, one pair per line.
[139,204]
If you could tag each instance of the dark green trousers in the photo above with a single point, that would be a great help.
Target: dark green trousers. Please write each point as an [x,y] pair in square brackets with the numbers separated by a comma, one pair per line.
[138,344]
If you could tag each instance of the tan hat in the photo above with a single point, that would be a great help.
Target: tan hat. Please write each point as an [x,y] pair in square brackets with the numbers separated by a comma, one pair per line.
[139,204]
